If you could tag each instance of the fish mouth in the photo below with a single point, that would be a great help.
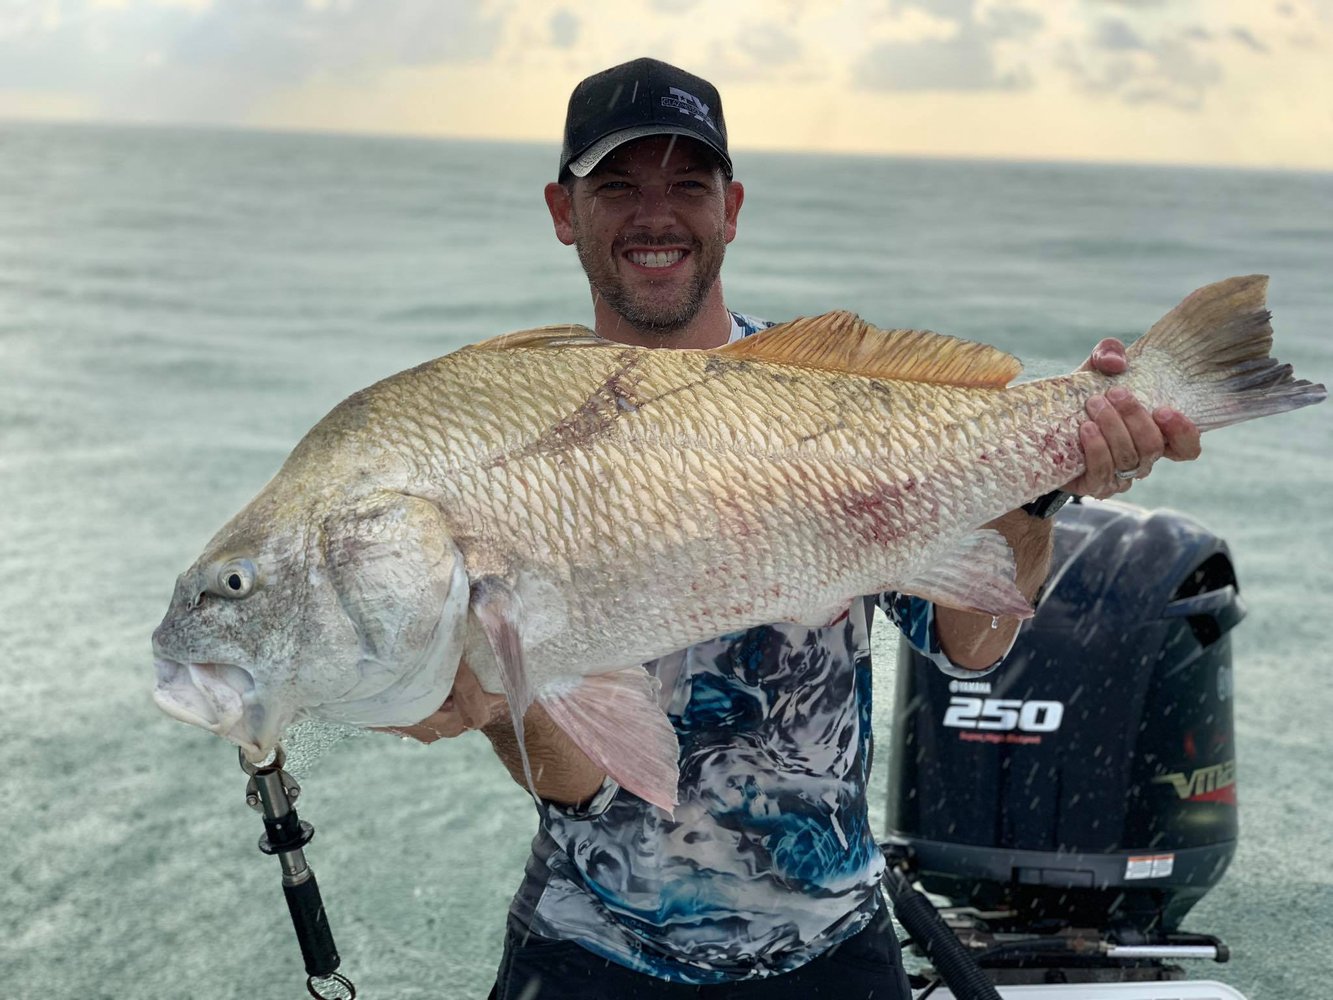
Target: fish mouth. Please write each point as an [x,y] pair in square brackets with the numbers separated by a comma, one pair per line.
[218,697]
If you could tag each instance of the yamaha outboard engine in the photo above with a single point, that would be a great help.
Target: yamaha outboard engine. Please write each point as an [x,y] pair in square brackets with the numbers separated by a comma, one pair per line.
[1090,781]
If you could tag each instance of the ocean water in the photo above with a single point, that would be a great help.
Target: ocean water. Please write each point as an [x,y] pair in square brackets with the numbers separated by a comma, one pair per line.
[178,307]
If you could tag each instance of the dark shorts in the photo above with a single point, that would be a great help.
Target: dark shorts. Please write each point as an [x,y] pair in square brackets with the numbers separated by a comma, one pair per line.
[867,966]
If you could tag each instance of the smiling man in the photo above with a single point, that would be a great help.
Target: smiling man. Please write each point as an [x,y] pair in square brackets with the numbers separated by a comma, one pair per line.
[650,215]
[765,882]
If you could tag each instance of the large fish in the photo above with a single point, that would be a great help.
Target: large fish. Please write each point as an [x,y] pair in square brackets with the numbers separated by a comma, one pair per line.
[558,509]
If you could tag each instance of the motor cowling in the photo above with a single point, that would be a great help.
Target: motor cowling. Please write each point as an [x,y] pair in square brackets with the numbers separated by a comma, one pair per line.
[1090,780]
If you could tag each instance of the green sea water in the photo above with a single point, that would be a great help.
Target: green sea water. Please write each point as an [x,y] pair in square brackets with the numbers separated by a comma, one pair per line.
[178,307]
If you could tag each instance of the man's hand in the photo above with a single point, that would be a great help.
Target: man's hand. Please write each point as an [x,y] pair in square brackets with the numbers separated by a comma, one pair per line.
[1120,435]
[561,771]
[467,707]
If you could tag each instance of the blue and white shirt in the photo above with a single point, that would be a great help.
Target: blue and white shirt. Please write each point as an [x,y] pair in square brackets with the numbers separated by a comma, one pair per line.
[769,859]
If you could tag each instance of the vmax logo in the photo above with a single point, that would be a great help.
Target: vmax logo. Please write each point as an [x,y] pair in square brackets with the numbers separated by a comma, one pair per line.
[1205,784]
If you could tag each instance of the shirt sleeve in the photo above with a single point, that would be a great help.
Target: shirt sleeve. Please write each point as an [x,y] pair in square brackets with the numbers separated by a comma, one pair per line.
[915,617]
[594,807]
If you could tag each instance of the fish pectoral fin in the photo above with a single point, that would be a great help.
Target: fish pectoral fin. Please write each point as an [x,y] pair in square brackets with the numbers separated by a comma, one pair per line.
[978,575]
[499,611]
[616,720]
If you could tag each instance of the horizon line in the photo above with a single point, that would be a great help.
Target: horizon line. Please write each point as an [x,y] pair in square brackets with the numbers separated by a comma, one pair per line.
[554,144]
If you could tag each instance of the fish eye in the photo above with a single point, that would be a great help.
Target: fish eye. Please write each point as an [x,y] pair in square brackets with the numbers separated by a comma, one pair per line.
[236,578]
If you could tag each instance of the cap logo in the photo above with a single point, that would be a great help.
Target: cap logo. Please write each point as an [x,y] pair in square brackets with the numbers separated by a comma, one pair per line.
[688,104]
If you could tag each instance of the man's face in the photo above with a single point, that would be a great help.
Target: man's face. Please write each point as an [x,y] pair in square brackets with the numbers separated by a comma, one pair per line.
[651,224]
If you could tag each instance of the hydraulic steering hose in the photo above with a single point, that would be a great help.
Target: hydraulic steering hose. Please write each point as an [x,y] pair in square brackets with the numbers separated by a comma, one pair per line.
[946,953]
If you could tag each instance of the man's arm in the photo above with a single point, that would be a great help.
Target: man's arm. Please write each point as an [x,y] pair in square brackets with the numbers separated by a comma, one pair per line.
[977,641]
[1119,435]
[560,770]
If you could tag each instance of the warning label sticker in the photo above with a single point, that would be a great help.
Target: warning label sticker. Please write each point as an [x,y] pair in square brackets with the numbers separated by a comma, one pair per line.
[1149,866]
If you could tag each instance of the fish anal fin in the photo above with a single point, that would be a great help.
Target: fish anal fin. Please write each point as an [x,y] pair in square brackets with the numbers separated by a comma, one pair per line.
[843,342]
[615,719]
[542,337]
[977,575]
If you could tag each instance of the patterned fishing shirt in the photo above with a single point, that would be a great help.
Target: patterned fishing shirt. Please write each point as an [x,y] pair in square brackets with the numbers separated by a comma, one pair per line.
[769,859]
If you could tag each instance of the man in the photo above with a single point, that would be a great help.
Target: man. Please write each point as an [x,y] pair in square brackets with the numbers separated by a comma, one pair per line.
[764,883]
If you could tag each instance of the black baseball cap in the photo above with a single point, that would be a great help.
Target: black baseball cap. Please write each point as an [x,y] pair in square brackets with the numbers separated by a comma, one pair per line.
[635,100]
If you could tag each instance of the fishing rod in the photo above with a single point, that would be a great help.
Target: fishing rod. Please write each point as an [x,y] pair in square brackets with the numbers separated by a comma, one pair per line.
[272,792]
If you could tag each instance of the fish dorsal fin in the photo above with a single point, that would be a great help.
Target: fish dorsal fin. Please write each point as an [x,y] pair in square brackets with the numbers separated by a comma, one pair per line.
[561,335]
[844,342]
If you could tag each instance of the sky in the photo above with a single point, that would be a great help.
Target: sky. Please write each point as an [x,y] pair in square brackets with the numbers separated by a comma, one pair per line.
[1213,82]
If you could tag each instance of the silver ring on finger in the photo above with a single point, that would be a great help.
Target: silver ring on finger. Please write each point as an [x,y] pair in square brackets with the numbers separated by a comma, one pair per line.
[1123,474]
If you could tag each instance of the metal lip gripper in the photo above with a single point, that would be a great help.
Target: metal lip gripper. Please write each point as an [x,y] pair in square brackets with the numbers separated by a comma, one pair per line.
[271,792]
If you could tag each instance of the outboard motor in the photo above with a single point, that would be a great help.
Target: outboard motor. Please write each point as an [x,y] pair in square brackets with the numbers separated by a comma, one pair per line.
[1090,781]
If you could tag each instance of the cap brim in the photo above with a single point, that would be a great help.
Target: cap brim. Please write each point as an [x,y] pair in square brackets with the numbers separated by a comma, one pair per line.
[583,164]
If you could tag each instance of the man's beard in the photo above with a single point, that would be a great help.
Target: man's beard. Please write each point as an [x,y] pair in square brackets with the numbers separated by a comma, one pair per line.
[652,315]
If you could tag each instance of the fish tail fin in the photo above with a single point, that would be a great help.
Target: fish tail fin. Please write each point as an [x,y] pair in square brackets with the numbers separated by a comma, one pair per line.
[1219,339]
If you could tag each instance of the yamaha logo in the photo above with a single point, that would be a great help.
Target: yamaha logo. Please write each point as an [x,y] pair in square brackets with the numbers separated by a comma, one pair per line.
[969,687]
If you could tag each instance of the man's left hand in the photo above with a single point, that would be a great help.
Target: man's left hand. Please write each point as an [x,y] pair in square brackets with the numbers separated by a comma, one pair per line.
[1120,435]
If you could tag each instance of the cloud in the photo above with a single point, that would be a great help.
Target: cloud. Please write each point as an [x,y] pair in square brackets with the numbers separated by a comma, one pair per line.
[217,59]
[285,38]
[954,10]
[1246,38]
[974,73]
[962,58]
[962,63]
[763,46]
[769,45]
[1012,22]
[755,52]
[564,29]
[1117,36]
[1151,62]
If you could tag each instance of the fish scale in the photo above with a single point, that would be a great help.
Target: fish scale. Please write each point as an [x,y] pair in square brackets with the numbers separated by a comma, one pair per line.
[556,509]
[774,499]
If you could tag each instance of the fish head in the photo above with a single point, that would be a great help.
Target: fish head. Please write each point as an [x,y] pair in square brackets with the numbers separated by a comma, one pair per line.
[347,611]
